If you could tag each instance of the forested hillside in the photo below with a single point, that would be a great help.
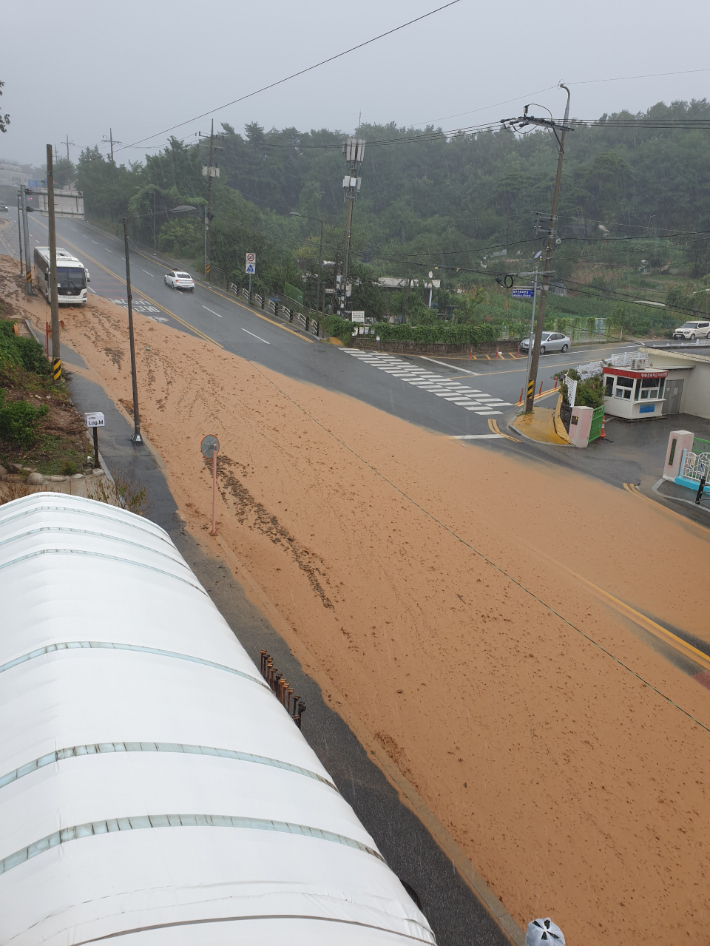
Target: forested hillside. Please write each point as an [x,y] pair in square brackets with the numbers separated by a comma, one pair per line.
[635,203]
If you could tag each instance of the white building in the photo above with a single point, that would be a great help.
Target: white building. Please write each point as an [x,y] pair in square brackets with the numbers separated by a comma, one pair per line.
[687,387]
[152,787]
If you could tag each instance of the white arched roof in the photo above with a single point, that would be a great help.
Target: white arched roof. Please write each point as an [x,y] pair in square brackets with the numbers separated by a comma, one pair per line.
[152,788]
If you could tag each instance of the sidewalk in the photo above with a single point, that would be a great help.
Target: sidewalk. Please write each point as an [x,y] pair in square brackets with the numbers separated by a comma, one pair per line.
[543,425]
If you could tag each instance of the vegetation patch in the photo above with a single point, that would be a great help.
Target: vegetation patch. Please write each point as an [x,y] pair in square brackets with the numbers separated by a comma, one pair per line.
[39,427]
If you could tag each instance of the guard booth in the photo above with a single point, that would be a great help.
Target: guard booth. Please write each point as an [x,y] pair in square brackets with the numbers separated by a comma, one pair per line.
[634,393]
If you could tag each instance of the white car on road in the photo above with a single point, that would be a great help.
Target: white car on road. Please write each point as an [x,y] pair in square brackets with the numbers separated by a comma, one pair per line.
[551,341]
[179,280]
[692,330]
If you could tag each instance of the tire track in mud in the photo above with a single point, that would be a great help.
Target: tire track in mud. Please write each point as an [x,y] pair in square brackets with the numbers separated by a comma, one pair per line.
[257,516]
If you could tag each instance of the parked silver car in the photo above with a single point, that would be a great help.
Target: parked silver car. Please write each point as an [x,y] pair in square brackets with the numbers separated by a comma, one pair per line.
[551,341]
[692,330]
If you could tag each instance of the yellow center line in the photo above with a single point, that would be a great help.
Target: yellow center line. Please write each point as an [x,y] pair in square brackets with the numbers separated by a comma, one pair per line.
[493,426]
[656,629]
[138,292]
[226,299]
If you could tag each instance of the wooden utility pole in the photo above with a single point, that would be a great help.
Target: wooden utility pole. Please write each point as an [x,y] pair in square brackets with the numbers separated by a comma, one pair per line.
[517,124]
[136,438]
[53,295]
[208,266]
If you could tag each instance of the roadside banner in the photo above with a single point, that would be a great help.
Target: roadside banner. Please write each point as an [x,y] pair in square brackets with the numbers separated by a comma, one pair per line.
[571,389]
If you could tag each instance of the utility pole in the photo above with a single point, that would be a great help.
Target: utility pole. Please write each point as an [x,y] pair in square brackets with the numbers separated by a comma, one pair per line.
[19,234]
[210,172]
[26,235]
[136,438]
[68,143]
[53,296]
[112,141]
[354,151]
[517,124]
[294,213]
[56,153]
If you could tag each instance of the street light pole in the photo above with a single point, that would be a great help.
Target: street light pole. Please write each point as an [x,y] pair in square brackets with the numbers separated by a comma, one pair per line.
[136,438]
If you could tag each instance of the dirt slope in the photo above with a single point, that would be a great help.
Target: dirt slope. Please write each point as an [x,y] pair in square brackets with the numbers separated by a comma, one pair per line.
[575,788]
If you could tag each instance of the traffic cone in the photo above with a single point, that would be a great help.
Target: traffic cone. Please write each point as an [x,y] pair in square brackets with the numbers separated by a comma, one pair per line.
[602,435]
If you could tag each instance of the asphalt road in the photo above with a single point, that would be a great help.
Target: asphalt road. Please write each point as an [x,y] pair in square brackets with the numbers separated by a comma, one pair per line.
[454,396]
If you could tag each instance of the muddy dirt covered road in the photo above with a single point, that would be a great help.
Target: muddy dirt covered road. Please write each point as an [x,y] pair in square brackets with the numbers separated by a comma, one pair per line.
[451,601]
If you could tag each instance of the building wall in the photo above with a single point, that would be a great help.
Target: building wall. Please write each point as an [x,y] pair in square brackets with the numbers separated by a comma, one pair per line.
[696,390]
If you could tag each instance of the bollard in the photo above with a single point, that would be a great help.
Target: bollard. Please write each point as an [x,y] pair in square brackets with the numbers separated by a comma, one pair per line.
[262,665]
[289,694]
[555,387]
[540,391]
[701,489]
[301,711]
[520,399]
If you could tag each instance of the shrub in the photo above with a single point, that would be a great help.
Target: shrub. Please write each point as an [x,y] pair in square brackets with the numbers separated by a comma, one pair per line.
[20,352]
[19,421]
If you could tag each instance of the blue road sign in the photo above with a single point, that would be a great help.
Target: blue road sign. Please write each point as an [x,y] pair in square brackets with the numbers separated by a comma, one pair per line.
[523,293]
[36,183]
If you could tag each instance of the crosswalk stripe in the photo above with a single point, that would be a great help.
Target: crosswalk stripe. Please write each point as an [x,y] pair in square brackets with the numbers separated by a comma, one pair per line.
[455,392]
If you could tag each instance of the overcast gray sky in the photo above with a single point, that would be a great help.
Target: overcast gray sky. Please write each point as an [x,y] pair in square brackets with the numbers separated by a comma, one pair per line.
[141,66]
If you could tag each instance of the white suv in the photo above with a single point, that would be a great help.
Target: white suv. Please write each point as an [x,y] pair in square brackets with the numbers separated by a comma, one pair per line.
[692,330]
[179,280]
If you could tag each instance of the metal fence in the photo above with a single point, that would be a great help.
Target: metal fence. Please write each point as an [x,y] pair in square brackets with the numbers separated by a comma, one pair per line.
[697,465]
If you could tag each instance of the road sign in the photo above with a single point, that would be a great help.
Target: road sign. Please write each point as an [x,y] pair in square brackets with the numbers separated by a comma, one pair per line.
[209,446]
[522,293]
[358,316]
[251,264]
[95,419]
[36,183]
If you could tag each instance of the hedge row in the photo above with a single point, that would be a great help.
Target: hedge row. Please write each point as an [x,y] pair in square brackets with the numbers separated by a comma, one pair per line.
[426,334]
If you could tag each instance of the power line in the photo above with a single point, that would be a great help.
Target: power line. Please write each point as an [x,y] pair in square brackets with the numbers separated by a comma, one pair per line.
[301,72]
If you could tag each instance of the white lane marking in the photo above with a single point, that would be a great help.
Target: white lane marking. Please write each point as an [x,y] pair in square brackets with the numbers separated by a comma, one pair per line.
[92,290]
[477,437]
[96,242]
[451,367]
[219,317]
[479,411]
[147,273]
[255,336]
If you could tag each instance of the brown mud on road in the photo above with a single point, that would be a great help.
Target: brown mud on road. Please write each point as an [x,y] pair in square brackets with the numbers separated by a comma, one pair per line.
[575,788]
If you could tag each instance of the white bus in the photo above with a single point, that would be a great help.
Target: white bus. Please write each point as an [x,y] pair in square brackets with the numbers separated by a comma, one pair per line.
[72,276]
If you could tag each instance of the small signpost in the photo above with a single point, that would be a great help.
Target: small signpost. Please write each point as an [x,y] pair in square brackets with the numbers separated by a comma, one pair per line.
[522,293]
[210,449]
[358,317]
[95,420]
[250,269]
